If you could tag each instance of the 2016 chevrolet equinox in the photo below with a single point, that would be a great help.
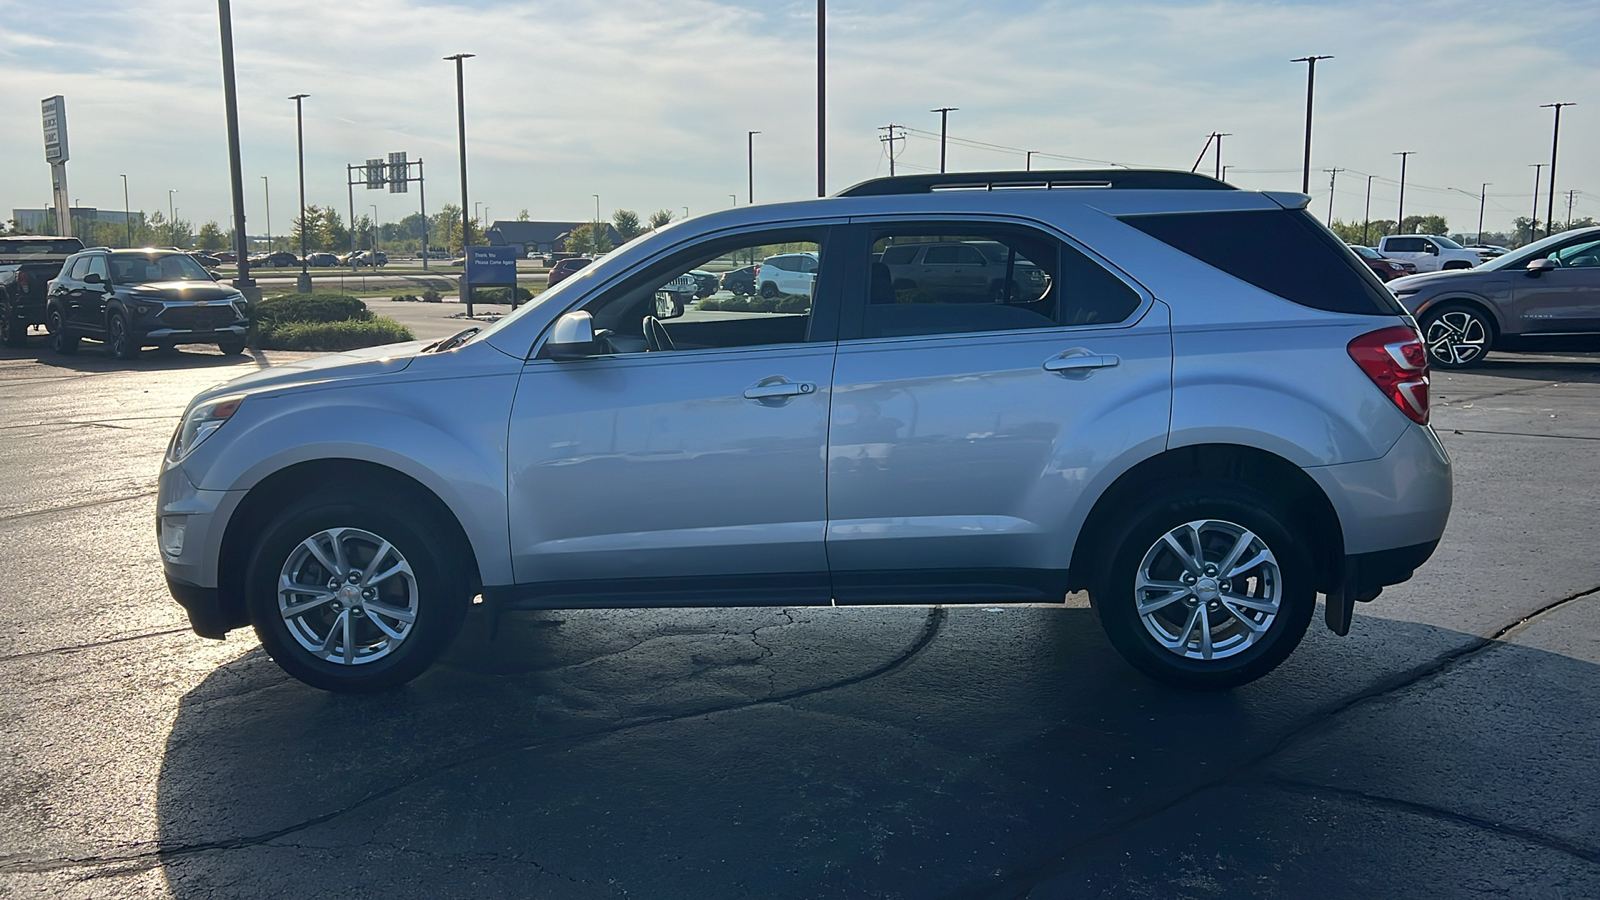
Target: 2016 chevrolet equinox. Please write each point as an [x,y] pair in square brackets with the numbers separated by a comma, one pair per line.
[1205,411]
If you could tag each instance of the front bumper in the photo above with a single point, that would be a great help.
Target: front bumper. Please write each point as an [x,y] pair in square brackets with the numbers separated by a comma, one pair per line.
[207,615]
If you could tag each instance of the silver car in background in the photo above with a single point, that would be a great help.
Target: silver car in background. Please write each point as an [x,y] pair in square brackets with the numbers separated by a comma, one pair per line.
[1545,294]
[1204,412]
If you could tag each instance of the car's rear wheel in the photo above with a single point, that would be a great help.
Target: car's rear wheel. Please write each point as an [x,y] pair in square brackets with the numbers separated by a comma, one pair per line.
[1457,336]
[769,290]
[351,595]
[1206,588]
[60,341]
[119,338]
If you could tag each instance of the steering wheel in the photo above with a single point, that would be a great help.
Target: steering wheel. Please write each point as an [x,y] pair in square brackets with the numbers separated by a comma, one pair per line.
[655,334]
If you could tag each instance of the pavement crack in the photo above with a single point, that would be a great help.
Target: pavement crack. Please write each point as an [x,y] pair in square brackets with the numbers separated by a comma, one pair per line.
[74,648]
[1290,785]
[150,858]
[1564,437]
[1017,885]
[70,507]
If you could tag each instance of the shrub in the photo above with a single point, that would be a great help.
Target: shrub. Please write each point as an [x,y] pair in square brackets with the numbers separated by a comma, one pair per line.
[785,303]
[350,334]
[432,296]
[500,295]
[327,307]
[404,298]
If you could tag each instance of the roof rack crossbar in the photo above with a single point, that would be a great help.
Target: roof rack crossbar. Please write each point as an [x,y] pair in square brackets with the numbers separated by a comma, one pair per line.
[1123,179]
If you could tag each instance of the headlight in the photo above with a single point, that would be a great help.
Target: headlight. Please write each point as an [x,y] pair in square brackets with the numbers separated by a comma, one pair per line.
[200,423]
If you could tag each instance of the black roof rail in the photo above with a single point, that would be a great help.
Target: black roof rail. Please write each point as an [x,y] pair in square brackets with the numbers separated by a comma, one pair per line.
[1123,179]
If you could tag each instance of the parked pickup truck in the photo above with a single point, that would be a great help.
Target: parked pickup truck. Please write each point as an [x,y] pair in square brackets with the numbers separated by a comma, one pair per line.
[1429,252]
[26,266]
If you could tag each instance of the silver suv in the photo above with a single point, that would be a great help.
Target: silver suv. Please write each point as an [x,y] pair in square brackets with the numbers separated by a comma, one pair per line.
[1213,414]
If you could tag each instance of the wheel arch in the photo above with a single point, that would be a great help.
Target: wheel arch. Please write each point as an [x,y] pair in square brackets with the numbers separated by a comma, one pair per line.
[275,492]
[1301,497]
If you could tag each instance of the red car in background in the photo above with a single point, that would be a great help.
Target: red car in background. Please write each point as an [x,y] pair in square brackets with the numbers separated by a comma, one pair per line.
[1382,266]
[566,267]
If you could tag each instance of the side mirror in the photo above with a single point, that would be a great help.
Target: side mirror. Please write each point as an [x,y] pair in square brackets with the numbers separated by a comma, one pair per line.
[666,306]
[93,278]
[571,338]
[1432,250]
[1543,264]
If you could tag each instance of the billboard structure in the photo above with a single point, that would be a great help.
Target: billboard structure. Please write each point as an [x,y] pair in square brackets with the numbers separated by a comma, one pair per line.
[55,153]
[395,174]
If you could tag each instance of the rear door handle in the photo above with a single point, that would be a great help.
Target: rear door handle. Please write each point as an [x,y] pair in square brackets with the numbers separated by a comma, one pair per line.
[777,388]
[1080,362]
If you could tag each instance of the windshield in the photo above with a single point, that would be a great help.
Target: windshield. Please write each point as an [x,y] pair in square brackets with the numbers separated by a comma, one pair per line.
[1447,243]
[1368,252]
[140,268]
[1518,259]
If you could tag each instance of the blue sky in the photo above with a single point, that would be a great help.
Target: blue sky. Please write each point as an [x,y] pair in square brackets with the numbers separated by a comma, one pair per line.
[647,103]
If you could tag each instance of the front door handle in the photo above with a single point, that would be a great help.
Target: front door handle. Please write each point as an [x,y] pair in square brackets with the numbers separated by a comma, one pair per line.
[777,390]
[1080,362]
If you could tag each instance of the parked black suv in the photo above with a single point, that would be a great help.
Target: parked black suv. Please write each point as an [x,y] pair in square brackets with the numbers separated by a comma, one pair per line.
[132,298]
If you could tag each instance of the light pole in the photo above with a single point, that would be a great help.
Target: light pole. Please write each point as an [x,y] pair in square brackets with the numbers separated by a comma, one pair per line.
[1311,84]
[734,198]
[1027,165]
[596,214]
[1400,218]
[1333,178]
[374,237]
[1220,135]
[1483,197]
[461,140]
[302,284]
[266,192]
[750,166]
[241,241]
[1570,194]
[686,212]
[1366,217]
[1533,223]
[944,126]
[822,93]
[172,219]
[127,217]
[1555,140]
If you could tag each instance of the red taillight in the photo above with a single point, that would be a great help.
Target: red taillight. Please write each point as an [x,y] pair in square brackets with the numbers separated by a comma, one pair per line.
[22,282]
[1397,362]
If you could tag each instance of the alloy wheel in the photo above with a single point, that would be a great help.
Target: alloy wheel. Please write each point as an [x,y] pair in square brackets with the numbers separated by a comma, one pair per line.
[1457,337]
[347,596]
[1208,589]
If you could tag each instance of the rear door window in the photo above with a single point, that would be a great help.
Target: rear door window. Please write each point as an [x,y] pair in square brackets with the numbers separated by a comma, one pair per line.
[1284,252]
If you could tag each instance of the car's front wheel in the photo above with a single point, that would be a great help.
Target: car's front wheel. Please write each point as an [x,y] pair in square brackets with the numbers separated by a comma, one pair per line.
[1457,336]
[349,594]
[231,348]
[119,339]
[1206,588]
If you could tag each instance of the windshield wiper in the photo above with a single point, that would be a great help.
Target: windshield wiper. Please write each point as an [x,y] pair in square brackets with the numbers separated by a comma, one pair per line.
[451,342]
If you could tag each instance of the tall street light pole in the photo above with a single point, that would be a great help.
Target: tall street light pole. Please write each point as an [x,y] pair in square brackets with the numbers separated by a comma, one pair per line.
[822,95]
[374,236]
[241,241]
[172,218]
[1400,217]
[266,193]
[1483,197]
[1027,165]
[750,165]
[1366,217]
[127,216]
[461,141]
[1311,85]
[1570,194]
[1219,136]
[1533,223]
[1555,140]
[734,198]
[1333,178]
[597,215]
[944,130]
[302,284]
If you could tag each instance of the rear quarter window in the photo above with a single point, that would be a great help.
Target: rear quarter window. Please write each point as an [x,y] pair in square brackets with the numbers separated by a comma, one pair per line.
[1284,252]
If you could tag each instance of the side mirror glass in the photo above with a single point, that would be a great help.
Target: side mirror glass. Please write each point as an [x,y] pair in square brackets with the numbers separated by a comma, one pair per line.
[93,278]
[667,306]
[1432,250]
[1543,264]
[571,338]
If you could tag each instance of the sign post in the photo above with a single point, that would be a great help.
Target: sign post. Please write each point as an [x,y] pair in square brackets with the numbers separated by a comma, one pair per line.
[489,267]
[55,153]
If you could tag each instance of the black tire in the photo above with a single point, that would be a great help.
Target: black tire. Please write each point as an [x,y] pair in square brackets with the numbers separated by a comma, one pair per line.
[231,348]
[12,332]
[1251,655]
[120,342]
[440,590]
[1456,266]
[1457,335]
[769,290]
[60,340]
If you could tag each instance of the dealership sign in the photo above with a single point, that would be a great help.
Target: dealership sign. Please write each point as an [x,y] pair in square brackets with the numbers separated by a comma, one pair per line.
[55,129]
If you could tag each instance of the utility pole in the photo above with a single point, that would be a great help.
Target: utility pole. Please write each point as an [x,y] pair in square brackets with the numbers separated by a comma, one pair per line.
[461,141]
[822,95]
[127,216]
[1333,177]
[1311,86]
[266,192]
[1366,217]
[944,124]
[302,284]
[172,218]
[1483,197]
[889,139]
[1533,223]
[750,165]
[1028,165]
[243,283]
[1220,135]
[1570,195]
[1555,140]
[1400,218]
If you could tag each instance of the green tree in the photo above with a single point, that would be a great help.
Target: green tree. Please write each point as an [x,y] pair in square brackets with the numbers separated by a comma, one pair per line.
[586,238]
[523,216]
[211,237]
[627,223]
[659,218]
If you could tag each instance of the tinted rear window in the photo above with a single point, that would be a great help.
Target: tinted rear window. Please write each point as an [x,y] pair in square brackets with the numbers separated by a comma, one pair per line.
[40,247]
[1282,251]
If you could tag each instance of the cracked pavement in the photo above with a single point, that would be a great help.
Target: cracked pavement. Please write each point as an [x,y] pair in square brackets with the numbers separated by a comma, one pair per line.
[1446,748]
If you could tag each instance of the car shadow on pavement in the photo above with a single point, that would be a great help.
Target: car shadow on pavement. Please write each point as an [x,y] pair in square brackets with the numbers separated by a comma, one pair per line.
[1583,368]
[878,752]
[92,357]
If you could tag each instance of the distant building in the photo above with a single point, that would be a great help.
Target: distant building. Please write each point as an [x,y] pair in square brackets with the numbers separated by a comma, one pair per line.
[43,221]
[538,237]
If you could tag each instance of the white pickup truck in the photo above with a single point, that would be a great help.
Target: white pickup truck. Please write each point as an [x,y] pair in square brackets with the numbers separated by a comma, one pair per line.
[1429,252]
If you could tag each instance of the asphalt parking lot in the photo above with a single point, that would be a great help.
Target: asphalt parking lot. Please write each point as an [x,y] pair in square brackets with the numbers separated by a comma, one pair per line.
[1448,747]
